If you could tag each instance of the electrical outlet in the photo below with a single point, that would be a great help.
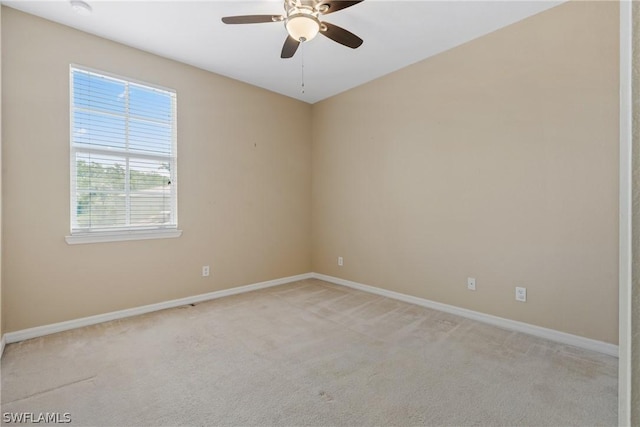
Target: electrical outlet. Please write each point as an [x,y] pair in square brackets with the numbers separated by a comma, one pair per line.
[471,283]
[205,271]
[521,294]
[340,261]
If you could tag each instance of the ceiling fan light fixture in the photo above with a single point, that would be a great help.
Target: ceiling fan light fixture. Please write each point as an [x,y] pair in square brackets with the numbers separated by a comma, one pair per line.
[80,7]
[302,26]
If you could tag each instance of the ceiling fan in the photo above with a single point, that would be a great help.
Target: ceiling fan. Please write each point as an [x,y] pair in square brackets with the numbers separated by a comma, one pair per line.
[302,21]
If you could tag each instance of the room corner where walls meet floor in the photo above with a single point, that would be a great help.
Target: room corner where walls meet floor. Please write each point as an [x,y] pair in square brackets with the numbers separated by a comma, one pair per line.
[533,330]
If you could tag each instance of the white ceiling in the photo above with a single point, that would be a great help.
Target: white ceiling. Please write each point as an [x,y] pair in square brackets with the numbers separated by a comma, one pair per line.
[395,33]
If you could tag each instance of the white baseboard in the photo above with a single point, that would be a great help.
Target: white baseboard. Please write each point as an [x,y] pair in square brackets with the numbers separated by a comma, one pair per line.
[513,325]
[25,334]
[550,334]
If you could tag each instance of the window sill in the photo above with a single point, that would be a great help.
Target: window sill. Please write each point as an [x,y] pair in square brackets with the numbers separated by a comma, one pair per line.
[120,236]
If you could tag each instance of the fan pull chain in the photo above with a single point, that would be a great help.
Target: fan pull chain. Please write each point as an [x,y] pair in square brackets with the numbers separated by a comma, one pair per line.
[302,53]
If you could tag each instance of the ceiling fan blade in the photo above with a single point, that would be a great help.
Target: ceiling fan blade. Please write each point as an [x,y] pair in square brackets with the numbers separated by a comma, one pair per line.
[340,35]
[290,47]
[336,5]
[252,19]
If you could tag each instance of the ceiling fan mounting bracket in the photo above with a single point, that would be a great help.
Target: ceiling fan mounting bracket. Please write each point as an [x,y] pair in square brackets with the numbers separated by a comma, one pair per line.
[311,4]
[301,9]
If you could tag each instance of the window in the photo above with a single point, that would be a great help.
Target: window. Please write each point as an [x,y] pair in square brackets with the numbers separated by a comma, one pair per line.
[123,159]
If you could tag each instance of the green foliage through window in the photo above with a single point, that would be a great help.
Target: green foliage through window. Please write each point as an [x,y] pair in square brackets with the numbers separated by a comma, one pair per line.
[123,154]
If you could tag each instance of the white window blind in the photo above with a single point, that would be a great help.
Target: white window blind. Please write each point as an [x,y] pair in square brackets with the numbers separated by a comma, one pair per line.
[123,155]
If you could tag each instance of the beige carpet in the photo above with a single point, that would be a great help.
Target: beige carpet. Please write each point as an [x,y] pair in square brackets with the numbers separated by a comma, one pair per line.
[308,353]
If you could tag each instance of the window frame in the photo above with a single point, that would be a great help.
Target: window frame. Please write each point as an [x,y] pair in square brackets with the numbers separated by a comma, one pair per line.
[112,234]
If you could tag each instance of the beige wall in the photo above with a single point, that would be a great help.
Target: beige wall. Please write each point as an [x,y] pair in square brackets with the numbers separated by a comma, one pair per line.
[497,160]
[635,304]
[244,183]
